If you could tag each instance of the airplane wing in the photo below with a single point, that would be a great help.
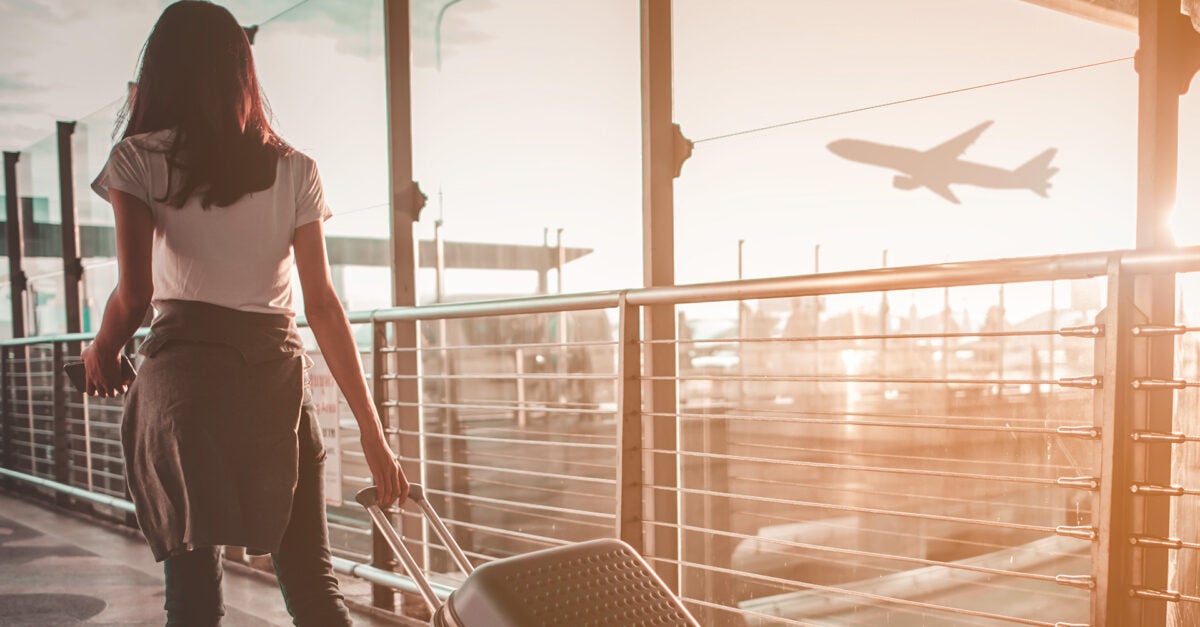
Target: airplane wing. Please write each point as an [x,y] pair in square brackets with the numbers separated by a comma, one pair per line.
[943,190]
[955,147]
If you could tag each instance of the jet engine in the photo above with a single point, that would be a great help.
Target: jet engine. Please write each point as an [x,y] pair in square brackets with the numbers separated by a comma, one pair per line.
[905,182]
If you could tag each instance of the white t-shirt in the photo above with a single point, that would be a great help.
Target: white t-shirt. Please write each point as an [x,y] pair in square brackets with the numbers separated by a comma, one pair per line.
[239,256]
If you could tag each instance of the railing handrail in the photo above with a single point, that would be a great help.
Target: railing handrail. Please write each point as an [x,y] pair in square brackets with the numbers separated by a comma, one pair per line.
[1112,367]
[63,337]
[951,274]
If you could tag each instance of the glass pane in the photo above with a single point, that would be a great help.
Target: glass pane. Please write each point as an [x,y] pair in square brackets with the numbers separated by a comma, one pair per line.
[1185,456]
[1186,221]
[525,122]
[335,112]
[814,124]
[42,218]
[92,142]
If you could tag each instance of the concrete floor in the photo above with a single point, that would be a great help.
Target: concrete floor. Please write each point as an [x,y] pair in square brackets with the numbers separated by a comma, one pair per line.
[61,569]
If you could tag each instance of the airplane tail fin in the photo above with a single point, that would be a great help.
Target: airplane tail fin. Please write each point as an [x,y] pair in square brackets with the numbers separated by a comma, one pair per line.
[1036,173]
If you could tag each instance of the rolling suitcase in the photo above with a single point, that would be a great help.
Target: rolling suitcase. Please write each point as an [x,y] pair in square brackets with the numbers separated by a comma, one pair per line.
[599,583]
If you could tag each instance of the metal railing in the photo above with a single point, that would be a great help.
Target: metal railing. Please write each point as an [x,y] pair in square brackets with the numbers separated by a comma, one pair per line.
[828,465]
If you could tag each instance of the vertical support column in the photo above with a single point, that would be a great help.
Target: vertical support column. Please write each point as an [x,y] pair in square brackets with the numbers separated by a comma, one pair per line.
[72,261]
[16,243]
[658,250]
[1112,553]
[73,294]
[407,199]
[1166,63]
[406,204]
[17,293]
[630,493]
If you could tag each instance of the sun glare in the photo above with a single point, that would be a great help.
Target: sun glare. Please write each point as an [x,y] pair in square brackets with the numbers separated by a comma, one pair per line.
[1185,225]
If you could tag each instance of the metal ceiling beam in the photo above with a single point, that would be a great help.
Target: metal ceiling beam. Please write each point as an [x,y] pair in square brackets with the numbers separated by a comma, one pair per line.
[1118,13]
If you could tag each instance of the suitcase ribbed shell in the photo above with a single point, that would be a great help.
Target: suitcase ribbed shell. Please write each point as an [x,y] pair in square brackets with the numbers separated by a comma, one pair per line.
[601,583]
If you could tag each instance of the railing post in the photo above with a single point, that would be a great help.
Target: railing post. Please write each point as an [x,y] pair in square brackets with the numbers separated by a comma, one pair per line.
[1112,555]
[16,244]
[381,554]
[630,493]
[72,262]
[62,443]
[6,411]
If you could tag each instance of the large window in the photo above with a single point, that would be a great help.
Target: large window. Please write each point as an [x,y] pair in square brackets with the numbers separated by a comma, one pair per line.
[767,88]
[526,121]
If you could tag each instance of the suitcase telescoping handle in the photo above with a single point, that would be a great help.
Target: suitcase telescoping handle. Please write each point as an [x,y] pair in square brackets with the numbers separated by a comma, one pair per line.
[368,497]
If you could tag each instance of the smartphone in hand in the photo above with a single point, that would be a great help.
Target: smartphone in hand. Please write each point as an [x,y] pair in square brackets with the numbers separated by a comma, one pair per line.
[78,376]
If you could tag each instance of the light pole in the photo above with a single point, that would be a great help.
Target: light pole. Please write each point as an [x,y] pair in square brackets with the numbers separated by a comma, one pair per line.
[437,31]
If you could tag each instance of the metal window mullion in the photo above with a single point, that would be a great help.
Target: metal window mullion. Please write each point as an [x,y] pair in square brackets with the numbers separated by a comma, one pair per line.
[1168,57]
[405,206]
[659,169]
[16,244]
[72,261]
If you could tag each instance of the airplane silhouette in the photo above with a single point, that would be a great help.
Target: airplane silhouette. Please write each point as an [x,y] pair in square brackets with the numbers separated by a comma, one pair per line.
[940,167]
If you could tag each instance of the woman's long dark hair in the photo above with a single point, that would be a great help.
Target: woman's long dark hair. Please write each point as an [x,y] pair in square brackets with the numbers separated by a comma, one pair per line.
[197,78]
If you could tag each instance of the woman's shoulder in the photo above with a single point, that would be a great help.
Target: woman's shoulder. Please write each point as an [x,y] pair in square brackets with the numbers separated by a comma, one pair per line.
[153,141]
[297,159]
[300,167]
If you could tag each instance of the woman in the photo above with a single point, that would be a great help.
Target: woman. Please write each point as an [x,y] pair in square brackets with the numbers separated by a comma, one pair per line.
[219,434]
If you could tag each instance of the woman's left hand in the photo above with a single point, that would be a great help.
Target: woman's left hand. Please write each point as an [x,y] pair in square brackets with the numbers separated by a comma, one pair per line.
[103,370]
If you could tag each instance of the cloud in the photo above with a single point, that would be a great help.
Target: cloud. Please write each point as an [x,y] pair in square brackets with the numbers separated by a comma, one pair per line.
[13,81]
[64,60]
[459,28]
[351,26]
[22,118]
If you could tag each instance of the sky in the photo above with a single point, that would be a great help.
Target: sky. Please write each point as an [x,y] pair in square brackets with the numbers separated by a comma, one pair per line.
[532,122]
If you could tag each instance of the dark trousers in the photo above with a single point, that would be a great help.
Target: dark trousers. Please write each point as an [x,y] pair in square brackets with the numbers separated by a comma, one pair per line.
[303,563]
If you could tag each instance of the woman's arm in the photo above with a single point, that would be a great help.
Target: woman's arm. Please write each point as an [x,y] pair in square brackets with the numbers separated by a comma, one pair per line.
[127,305]
[329,324]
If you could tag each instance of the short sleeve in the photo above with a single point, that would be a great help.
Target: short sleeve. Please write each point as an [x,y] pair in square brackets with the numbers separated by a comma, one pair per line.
[126,171]
[310,197]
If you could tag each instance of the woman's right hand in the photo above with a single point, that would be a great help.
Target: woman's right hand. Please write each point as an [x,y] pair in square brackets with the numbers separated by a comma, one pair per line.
[389,478]
[102,369]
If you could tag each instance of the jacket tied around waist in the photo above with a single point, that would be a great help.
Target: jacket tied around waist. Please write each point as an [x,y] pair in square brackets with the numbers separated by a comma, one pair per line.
[210,427]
